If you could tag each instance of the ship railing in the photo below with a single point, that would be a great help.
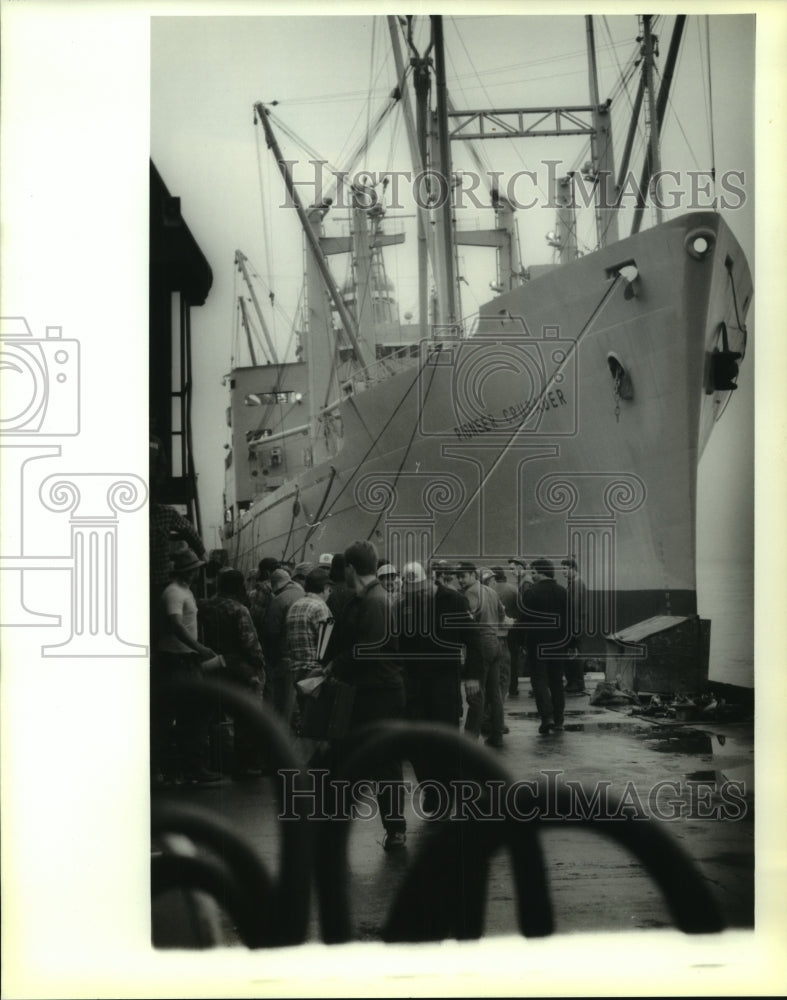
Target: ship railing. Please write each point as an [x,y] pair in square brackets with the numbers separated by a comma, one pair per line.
[405,357]
[379,371]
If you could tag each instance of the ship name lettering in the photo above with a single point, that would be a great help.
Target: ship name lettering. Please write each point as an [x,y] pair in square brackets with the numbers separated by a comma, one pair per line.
[479,425]
[485,422]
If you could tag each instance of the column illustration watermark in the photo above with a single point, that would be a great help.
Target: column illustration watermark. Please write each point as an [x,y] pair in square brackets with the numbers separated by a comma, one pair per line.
[94,501]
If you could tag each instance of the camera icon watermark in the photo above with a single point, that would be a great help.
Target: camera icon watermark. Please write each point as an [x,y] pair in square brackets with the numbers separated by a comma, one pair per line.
[40,399]
[39,381]
[493,386]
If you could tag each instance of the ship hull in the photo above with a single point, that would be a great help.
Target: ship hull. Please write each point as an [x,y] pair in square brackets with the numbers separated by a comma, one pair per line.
[571,423]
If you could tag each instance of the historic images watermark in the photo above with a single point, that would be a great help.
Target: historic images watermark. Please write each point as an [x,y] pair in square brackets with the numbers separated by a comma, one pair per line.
[686,190]
[548,796]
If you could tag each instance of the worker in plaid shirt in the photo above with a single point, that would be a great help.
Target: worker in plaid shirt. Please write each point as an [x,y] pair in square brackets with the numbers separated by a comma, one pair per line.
[226,625]
[305,619]
[227,628]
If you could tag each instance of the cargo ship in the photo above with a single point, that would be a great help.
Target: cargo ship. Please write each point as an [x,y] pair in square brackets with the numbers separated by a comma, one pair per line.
[567,420]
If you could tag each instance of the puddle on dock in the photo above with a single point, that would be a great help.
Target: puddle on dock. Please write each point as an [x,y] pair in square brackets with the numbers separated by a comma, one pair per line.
[567,713]
[701,776]
[664,738]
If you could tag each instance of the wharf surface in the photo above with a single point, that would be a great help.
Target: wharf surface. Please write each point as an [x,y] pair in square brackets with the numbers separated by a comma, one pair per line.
[682,770]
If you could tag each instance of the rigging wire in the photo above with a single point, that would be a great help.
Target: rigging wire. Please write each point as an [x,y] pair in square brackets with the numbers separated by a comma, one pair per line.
[372,128]
[397,125]
[253,333]
[276,308]
[623,78]
[339,175]
[516,146]
[416,426]
[482,160]
[254,273]
[371,79]
[545,61]
[283,127]
[710,106]
[674,114]
[475,75]
[376,438]
[346,96]
[368,139]
[625,75]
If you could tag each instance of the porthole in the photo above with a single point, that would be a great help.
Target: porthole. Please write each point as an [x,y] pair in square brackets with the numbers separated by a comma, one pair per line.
[699,243]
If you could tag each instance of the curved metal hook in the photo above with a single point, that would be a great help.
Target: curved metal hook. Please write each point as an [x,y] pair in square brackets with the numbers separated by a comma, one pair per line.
[233,875]
[286,921]
[443,892]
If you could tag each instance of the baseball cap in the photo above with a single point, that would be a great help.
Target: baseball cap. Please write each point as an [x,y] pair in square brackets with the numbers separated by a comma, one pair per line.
[413,572]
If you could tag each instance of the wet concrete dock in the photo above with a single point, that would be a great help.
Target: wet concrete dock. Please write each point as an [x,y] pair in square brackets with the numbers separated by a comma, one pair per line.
[697,778]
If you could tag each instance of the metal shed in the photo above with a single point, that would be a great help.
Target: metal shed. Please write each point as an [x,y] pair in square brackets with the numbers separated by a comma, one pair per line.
[660,655]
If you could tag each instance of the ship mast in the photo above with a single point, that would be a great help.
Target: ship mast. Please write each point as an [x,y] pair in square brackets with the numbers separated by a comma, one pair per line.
[651,161]
[448,299]
[601,150]
[651,121]
[416,138]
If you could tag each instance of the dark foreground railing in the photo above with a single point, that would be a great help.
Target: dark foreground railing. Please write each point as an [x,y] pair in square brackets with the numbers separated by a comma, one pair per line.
[443,893]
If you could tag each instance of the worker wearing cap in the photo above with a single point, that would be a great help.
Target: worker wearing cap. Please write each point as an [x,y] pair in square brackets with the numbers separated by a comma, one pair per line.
[388,576]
